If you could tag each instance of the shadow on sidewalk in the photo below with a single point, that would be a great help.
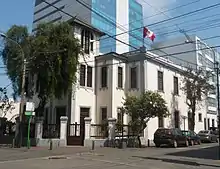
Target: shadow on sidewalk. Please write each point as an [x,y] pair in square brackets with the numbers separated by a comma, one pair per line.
[210,153]
[175,161]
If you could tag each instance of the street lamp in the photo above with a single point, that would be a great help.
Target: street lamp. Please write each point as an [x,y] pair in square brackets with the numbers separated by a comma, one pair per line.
[22,84]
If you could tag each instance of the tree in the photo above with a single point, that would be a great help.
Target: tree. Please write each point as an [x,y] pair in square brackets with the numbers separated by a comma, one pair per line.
[142,108]
[52,54]
[6,106]
[196,86]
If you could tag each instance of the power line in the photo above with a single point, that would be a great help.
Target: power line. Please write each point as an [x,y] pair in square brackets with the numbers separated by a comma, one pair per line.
[162,56]
[75,18]
[170,19]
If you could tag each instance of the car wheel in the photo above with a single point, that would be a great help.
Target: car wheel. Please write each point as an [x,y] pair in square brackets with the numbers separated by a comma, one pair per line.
[192,143]
[187,143]
[175,145]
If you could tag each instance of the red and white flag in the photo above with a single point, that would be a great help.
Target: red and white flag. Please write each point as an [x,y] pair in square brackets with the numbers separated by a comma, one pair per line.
[148,33]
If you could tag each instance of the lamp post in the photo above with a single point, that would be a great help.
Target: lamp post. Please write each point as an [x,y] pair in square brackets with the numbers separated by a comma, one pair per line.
[22,86]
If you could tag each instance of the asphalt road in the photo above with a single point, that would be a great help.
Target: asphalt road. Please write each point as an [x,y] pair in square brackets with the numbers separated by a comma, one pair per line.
[203,157]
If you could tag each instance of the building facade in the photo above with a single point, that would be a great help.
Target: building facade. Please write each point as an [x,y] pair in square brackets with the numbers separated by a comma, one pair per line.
[111,17]
[196,54]
[100,95]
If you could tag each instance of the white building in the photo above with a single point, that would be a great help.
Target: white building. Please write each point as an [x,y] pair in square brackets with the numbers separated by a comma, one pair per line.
[104,81]
[117,75]
[195,53]
[125,75]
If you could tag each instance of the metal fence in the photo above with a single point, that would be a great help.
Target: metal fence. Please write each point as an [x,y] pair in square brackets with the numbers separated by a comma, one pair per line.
[74,129]
[99,131]
[51,131]
[25,130]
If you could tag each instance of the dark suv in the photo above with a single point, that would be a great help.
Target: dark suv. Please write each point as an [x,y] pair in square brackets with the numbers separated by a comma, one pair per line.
[173,137]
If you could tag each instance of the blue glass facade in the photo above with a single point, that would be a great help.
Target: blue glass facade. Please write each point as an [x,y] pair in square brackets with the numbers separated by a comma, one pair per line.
[106,22]
[135,21]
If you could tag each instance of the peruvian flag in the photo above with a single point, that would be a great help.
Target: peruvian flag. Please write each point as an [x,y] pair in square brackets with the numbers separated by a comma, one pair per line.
[148,33]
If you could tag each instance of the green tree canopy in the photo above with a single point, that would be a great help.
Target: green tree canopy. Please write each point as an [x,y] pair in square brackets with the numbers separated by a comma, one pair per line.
[142,108]
[196,86]
[51,54]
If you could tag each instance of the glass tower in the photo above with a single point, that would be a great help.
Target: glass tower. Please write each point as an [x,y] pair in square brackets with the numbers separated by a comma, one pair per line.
[105,21]
[135,22]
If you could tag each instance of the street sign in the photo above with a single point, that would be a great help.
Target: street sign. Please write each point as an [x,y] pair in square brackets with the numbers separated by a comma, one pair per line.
[29,106]
[29,113]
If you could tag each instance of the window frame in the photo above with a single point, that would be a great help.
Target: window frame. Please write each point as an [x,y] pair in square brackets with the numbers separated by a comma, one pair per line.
[160,81]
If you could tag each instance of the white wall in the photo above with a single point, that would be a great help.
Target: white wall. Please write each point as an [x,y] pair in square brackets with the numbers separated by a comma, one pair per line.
[112,97]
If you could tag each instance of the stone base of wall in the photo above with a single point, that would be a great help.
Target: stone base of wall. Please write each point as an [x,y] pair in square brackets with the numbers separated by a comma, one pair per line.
[97,143]
[55,143]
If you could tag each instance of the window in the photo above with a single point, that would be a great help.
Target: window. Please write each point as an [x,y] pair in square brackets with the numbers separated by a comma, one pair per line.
[104,113]
[160,81]
[87,42]
[205,126]
[213,122]
[133,79]
[120,117]
[92,42]
[175,86]
[89,76]
[200,59]
[82,75]
[208,124]
[104,76]
[200,117]
[212,102]
[86,36]
[120,77]
[160,122]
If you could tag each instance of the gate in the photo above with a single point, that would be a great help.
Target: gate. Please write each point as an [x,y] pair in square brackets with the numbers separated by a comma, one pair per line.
[76,134]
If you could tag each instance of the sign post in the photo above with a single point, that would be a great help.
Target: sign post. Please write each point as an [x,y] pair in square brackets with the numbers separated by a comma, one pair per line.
[29,113]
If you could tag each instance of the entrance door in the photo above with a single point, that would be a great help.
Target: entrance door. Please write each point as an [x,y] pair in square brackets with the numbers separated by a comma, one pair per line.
[84,112]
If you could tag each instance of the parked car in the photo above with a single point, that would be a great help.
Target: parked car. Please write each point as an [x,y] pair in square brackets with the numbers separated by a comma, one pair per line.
[172,137]
[208,136]
[215,130]
[192,137]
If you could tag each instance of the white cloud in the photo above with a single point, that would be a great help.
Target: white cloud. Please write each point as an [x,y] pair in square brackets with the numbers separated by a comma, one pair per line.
[153,7]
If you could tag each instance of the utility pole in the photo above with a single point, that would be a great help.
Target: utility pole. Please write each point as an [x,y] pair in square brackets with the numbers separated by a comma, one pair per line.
[22,100]
[217,74]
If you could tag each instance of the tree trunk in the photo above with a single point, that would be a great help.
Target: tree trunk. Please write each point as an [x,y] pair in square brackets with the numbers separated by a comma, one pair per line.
[139,141]
[40,109]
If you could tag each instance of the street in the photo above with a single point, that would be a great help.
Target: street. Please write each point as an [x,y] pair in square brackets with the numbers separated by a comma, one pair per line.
[203,156]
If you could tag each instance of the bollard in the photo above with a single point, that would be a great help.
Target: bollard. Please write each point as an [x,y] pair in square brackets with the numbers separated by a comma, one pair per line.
[13,143]
[51,145]
[148,142]
[93,144]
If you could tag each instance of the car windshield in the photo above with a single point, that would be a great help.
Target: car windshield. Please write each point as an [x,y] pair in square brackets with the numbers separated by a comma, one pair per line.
[204,132]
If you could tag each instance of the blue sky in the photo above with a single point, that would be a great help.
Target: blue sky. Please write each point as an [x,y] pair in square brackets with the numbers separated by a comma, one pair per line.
[22,14]
[14,13]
